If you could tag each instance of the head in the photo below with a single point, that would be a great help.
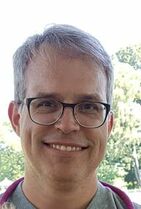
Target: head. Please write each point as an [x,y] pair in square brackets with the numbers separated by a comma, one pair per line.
[67,65]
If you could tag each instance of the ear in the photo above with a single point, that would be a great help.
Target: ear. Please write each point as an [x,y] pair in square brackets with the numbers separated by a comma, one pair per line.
[110,122]
[14,116]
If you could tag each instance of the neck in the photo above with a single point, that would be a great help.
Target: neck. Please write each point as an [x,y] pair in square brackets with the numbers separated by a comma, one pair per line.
[69,195]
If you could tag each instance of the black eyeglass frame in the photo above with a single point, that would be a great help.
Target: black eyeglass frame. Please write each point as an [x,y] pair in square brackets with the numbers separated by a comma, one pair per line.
[72,105]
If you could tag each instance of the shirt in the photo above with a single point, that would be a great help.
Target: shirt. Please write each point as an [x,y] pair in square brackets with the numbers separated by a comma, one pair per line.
[104,198]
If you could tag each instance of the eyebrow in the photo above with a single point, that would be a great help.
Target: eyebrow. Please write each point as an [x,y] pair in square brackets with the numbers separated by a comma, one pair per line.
[81,97]
[49,95]
[92,97]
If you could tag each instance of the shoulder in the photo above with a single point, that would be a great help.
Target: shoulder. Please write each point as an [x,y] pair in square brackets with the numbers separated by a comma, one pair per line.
[106,198]
[119,196]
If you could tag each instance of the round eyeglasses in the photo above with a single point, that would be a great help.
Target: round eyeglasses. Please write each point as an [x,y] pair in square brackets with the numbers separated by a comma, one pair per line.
[46,111]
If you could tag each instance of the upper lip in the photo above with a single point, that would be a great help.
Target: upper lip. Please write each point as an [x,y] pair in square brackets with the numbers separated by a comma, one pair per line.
[66,144]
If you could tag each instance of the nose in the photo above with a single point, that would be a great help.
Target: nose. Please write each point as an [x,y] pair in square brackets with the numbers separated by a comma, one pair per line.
[67,122]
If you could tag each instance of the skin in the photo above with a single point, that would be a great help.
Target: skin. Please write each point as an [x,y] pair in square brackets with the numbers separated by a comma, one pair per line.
[54,177]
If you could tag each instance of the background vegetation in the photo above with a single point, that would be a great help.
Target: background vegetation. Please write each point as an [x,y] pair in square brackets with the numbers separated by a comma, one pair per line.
[122,163]
[123,158]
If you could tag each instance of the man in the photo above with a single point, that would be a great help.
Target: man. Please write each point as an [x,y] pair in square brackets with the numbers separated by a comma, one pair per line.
[61,112]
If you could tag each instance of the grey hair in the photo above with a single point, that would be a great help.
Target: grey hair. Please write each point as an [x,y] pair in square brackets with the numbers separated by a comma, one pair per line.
[65,39]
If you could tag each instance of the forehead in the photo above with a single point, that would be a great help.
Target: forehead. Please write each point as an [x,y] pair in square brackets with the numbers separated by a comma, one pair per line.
[68,77]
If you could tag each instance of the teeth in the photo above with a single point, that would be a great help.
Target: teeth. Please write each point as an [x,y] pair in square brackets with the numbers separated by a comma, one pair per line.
[65,148]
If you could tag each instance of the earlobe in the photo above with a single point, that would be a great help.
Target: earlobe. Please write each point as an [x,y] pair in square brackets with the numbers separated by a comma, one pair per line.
[14,116]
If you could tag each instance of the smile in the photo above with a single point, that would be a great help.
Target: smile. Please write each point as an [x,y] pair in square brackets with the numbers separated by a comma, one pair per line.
[65,148]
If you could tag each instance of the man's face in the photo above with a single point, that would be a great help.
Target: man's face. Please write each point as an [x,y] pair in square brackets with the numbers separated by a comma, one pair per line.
[69,81]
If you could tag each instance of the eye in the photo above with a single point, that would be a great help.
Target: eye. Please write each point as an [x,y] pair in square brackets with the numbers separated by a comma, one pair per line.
[45,105]
[89,107]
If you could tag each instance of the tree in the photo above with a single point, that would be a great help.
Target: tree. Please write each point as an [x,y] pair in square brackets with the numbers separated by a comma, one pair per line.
[11,161]
[11,157]
[124,146]
[130,55]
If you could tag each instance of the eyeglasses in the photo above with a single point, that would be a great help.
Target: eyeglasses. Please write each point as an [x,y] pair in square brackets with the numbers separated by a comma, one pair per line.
[46,111]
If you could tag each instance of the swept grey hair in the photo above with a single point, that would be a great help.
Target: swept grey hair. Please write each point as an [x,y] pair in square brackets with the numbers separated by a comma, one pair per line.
[67,40]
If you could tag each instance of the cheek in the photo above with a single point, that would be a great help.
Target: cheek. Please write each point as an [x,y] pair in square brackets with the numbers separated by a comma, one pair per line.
[98,141]
[98,137]
[25,131]
[103,135]
[31,135]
